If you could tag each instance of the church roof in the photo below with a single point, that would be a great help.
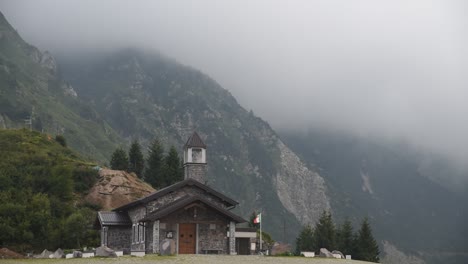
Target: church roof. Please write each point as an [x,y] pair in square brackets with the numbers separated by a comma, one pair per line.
[187,200]
[188,182]
[113,218]
[195,141]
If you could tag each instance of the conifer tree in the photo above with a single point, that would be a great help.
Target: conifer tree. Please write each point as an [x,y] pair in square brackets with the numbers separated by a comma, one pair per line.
[136,159]
[367,248]
[154,164]
[345,238]
[119,160]
[306,240]
[325,233]
[172,170]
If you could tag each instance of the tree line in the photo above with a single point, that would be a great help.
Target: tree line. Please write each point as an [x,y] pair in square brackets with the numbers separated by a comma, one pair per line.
[157,169]
[361,245]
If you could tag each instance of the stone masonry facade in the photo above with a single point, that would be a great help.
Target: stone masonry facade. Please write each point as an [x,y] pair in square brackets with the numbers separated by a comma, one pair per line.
[118,238]
[196,171]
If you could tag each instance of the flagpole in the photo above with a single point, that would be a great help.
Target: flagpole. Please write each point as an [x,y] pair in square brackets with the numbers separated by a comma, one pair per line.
[260,232]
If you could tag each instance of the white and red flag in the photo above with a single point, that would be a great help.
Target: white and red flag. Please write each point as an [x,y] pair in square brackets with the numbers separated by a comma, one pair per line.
[258,219]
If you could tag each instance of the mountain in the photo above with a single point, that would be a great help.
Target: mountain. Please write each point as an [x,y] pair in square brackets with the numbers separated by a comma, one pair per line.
[145,95]
[394,185]
[32,89]
[99,102]
[103,100]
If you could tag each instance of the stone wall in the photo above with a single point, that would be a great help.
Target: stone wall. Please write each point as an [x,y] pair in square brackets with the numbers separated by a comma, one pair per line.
[136,214]
[212,228]
[212,237]
[196,171]
[118,238]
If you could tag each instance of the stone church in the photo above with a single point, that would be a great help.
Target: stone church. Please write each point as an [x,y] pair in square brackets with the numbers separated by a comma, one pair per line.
[187,217]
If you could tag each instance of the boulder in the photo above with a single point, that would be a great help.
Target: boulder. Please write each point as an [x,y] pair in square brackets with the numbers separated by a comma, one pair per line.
[45,254]
[165,247]
[57,254]
[104,251]
[77,254]
[324,253]
[337,252]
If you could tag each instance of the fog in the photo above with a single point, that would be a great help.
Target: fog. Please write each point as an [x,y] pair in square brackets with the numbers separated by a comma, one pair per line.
[390,68]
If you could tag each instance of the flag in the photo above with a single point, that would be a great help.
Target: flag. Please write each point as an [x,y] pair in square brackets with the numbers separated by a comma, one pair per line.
[258,218]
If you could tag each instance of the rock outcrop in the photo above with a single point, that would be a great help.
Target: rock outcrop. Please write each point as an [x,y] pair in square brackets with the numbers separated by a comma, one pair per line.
[115,188]
[300,190]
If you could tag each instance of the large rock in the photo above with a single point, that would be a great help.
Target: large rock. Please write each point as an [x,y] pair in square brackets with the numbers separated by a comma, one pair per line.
[167,247]
[104,251]
[324,253]
[337,252]
[45,254]
[116,188]
[57,254]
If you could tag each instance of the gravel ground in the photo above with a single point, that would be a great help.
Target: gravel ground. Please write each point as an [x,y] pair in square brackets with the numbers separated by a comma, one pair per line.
[190,259]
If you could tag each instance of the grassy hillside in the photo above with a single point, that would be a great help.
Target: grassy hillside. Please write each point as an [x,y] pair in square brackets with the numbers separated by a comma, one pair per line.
[30,87]
[42,182]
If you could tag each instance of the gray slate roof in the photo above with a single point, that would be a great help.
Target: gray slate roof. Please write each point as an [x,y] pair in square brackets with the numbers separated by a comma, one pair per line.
[187,200]
[188,182]
[114,218]
[195,141]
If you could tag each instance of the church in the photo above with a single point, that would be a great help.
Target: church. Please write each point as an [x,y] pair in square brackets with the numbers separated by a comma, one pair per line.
[187,217]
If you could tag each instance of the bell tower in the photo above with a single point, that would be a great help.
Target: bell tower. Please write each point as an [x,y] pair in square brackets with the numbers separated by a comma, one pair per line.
[195,158]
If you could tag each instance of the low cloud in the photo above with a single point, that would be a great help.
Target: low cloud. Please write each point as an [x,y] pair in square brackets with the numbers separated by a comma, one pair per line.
[396,68]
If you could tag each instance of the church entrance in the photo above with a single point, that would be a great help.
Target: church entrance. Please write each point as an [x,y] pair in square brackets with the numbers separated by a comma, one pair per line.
[187,238]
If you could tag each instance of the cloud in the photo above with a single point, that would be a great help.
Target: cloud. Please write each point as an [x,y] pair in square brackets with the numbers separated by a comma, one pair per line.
[393,68]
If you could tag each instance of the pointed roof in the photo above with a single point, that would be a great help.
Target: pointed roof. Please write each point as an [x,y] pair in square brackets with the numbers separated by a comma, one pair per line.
[188,182]
[187,200]
[195,141]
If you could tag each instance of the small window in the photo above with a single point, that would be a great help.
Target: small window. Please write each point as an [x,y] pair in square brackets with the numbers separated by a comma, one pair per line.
[212,226]
[104,236]
[141,233]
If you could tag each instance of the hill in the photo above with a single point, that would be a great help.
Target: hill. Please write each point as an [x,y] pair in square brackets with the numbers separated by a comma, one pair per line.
[42,181]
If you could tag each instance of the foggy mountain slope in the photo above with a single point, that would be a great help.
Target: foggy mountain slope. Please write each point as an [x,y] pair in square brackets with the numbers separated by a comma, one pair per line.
[30,86]
[385,182]
[146,95]
[107,101]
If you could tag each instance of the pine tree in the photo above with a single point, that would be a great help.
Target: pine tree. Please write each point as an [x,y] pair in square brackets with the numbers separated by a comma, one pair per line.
[306,240]
[154,165]
[136,159]
[345,238]
[325,234]
[172,169]
[367,248]
[119,160]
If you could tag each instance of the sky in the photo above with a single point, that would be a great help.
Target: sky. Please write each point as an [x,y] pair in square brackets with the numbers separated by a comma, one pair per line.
[397,69]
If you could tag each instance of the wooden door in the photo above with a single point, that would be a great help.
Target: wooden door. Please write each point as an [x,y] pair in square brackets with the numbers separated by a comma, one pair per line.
[187,238]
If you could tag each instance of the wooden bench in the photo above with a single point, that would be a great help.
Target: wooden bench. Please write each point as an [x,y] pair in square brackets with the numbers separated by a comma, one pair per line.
[212,251]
